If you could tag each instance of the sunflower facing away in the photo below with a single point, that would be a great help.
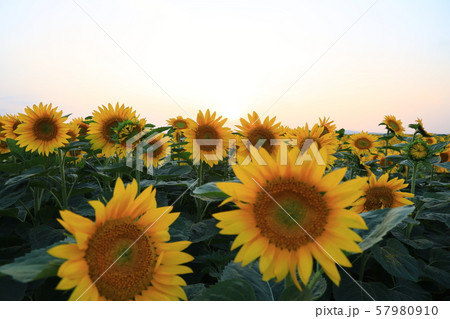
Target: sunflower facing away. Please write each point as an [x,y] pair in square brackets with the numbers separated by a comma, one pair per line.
[421,129]
[382,193]
[42,129]
[101,132]
[255,130]
[364,143]
[207,127]
[418,150]
[394,125]
[316,202]
[11,122]
[101,267]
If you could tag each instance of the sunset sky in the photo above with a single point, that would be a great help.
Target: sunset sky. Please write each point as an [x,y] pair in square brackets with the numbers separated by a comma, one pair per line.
[232,57]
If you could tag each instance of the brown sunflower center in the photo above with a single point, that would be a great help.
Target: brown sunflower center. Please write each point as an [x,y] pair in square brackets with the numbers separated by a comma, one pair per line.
[156,151]
[379,197]
[108,128]
[45,129]
[207,132]
[444,157]
[73,135]
[132,273]
[83,128]
[363,143]
[3,145]
[295,213]
[262,133]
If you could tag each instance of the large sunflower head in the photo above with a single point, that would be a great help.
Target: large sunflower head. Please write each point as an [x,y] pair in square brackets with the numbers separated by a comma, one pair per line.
[101,132]
[11,122]
[382,193]
[42,129]
[364,143]
[418,150]
[394,125]
[207,127]
[254,130]
[288,215]
[327,142]
[124,254]
[82,124]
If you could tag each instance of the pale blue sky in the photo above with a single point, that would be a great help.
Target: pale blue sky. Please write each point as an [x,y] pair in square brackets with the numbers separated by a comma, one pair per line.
[233,57]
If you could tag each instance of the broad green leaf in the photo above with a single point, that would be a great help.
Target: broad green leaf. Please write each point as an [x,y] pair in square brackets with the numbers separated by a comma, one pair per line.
[14,212]
[292,293]
[203,230]
[380,222]
[34,265]
[209,192]
[228,290]
[406,290]
[11,194]
[396,260]
[11,290]
[264,290]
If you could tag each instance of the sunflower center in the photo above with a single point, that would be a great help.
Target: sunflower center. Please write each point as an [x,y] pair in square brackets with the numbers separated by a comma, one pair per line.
[3,145]
[207,132]
[156,151]
[72,134]
[444,157]
[393,125]
[83,129]
[261,133]
[295,213]
[108,128]
[363,143]
[180,124]
[379,197]
[45,129]
[132,272]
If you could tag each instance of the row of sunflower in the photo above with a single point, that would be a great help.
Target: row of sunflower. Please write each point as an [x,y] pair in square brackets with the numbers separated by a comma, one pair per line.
[286,221]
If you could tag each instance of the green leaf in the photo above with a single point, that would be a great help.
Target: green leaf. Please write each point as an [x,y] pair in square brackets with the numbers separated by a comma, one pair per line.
[11,193]
[228,290]
[32,172]
[406,290]
[440,276]
[443,165]
[396,260]
[203,230]
[11,289]
[194,290]
[34,265]
[292,293]
[14,212]
[209,192]
[380,222]
[172,171]
[264,290]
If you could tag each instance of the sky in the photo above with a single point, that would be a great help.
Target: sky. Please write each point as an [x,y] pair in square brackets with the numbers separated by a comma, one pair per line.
[352,61]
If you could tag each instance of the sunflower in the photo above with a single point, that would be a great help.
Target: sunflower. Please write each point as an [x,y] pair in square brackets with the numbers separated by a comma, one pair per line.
[328,141]
[421,129]
[430,140]
[382,193]
[313,223]
[82,124]
[418,150]
[254,130]
[11,122]
[3,145]
[125,131]
[42,129]
[207,127]
[158,152]
[124,254]
[364,143]
[178,124]
[394,125]
[101,131]
[73,131]
[328,126]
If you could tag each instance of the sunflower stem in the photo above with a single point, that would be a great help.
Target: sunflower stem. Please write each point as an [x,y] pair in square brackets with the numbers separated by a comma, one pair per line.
[364,260]
[316,276]
[413,191]
[63,179]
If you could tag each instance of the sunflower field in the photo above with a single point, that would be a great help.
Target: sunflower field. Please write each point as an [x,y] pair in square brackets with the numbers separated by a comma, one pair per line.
[110,207]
